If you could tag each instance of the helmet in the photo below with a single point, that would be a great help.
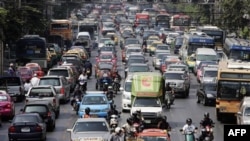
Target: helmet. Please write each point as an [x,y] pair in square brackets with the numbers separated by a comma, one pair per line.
[117,130]
[11,64]
[110,87]
[87,110]
[134,114]
[114,106]
[129,120]
[35,75]
[189,121]
[138,111]
[206,115]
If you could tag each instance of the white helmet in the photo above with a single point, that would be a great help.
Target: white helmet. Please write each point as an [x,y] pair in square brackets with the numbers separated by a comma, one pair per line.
[117,130]
[109,87]
[35,75]
[11,64]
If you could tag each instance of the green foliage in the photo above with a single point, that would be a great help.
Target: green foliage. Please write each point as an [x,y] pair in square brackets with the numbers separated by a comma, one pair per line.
[3,13]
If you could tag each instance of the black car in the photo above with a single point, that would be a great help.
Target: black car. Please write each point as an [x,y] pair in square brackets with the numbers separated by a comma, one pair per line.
[45,110]
[28,126]
[206,94]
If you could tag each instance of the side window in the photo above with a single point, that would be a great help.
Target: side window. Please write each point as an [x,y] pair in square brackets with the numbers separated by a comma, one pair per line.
[64,81]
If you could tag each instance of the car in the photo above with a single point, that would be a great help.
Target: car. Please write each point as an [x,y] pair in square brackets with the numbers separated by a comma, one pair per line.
[244,112]
[14,85]
[178,66]
[171,37]
[126,93]
[44,93]
[137,67]
[106,49]
[157,59]
[90,129]
[36,69]
[107,57]
[7,106]
[132,50]
[61,85]
[25,73]
[179,81]
[209,74]
[102,41]
[97,102]
[176,45]
[162,47]
[28,126]
[169,60]
[66,72]
[153,46]
[221,55]
[202,64]
[135,60]
[206,94]
[104,66]
[45,109]
[129,41]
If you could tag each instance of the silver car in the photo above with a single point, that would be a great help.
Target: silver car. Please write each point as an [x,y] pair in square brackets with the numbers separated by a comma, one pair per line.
[90,129]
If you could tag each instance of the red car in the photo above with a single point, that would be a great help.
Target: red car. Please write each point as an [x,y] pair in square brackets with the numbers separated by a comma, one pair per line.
[107,57]
[7,107]
[36,68]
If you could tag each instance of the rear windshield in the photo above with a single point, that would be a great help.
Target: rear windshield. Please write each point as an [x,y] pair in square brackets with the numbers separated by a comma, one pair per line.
[40,92]
[26,119]
[10,81]
[35,108]
[3,98]
[59,73]
[49,81]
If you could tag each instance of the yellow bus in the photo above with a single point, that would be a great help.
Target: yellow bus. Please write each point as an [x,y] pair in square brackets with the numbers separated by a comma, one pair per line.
[232,85]
[63,28]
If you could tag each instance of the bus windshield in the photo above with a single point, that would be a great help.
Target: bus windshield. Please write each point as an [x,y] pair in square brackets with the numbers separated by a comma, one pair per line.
[31,49]
[240,55]
[217,35]
[233,90]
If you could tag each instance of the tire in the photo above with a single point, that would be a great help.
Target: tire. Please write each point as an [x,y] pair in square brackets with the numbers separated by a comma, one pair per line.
[57,113]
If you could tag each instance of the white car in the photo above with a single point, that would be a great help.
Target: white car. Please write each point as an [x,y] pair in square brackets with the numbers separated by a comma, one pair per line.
[126,93]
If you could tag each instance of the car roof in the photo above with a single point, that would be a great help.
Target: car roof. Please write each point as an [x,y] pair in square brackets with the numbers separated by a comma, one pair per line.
[42,86]
[28,114]
[59,68]
[210,68]
[133,48]
[42,102]
[91,119]
[97,93]
[138,64]
[174,72]
[51,76]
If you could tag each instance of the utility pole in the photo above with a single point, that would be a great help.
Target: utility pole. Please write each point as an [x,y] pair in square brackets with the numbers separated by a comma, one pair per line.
[1,58]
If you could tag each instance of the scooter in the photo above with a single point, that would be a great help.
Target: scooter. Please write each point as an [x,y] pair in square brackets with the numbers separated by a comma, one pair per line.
[83,85]
[116,85]
[75,102]
[189,135]
[169,99]
[88,72]
[207,133]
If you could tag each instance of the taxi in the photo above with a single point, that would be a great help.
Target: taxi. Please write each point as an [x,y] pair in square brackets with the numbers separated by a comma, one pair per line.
[190,61]
[152,47]
[110,34]
[153,37]
[125,50]
[36,68]
[81,53]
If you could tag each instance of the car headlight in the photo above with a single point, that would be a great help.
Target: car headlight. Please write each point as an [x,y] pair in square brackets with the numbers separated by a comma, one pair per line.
[210,95]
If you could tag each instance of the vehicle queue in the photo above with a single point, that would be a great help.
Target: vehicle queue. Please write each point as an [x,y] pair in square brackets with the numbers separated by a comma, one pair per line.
[146,93]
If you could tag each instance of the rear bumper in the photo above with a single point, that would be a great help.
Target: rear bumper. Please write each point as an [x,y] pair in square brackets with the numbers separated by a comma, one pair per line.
[26,136]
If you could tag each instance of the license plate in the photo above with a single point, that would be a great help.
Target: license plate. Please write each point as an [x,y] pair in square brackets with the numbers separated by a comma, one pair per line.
[147,121]
[94,116]
[25,129]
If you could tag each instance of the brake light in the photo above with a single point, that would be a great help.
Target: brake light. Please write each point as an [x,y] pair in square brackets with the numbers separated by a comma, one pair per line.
[38,128]
[49,114]
[12,129]
[8,106]
[62,91]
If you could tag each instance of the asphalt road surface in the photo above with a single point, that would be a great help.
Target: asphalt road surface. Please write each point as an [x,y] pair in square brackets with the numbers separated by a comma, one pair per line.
[177,115]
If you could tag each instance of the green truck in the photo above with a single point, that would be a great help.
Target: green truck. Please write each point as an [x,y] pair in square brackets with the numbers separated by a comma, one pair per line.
[148,94]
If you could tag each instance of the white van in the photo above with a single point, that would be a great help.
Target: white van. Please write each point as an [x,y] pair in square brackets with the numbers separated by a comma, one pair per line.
[243,115]
[126,94]
[83,35]
[205,54]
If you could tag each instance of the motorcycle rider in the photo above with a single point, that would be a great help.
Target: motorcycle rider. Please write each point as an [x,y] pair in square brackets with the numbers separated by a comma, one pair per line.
[112,111]
[206,121]
[169,91]
[189,127]
[144,44]
[77,94]
[83,77]
[118,76]
[12,70]
[138,111]
[136,118]
[128,128]
[88,65]
[117,136]
[110,93]
[87,113]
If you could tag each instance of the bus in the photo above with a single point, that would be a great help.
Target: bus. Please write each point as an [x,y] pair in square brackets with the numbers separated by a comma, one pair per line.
[180,22]
[63,28]
[237,49]
[163,20]
[233,83]
[88,25]
[215,32]
[31,49]
[192,41]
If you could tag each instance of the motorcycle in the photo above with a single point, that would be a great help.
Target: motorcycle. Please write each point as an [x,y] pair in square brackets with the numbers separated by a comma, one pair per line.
[75,103]
[207,133]
[113,122]
[83,85]
[189,135]
[169,99]
[141,33]
[88,72]
[116,85]
[109,95]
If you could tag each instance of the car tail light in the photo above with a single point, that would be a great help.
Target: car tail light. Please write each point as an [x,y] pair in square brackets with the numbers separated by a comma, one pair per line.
[62,91]
[8,106]
[38,128]
[49,114]
[12,129]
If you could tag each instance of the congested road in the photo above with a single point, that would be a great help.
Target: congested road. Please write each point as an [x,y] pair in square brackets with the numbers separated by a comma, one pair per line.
[177,115]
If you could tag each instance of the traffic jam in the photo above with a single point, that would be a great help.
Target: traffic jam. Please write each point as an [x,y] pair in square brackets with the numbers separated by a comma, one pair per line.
[122,71]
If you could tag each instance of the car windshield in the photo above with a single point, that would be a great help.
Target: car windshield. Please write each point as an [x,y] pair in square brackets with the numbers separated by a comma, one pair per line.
[210,87]
[49,81]
[10,81]
[94,100]
[106,49]
[205,64]
[90,127]
[160,55]
[3,98]
[133,50]
[128,86]
[35,109]
[130,61]
[247,111]
[104,39]
[132,42]
[41,92]
[105,66]
[206,57]
[181,68]
[163,47]
[138,69]
[210,73]
[155,138]
[179,41]
[173,76]
[25,118]
[106,57]
[146,102]
[59,72]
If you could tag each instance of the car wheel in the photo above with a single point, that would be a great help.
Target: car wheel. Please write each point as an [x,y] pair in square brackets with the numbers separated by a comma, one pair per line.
[198,99]
[58,112]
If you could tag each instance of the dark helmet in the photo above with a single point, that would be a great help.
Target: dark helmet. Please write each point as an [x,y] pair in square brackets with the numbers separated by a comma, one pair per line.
[189,121]
[129,120]
[138,111]
[206,115]
[87,110]
[164,118]
[134,114]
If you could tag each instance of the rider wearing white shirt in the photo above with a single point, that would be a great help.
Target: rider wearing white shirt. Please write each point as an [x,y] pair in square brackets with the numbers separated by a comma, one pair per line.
[189,128]
[83,76]
[34,80]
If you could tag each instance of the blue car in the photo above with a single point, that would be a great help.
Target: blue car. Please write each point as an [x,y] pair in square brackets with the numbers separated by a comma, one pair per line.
[97,102]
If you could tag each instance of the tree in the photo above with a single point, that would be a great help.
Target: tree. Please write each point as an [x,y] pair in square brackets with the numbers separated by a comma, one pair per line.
[3,13]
